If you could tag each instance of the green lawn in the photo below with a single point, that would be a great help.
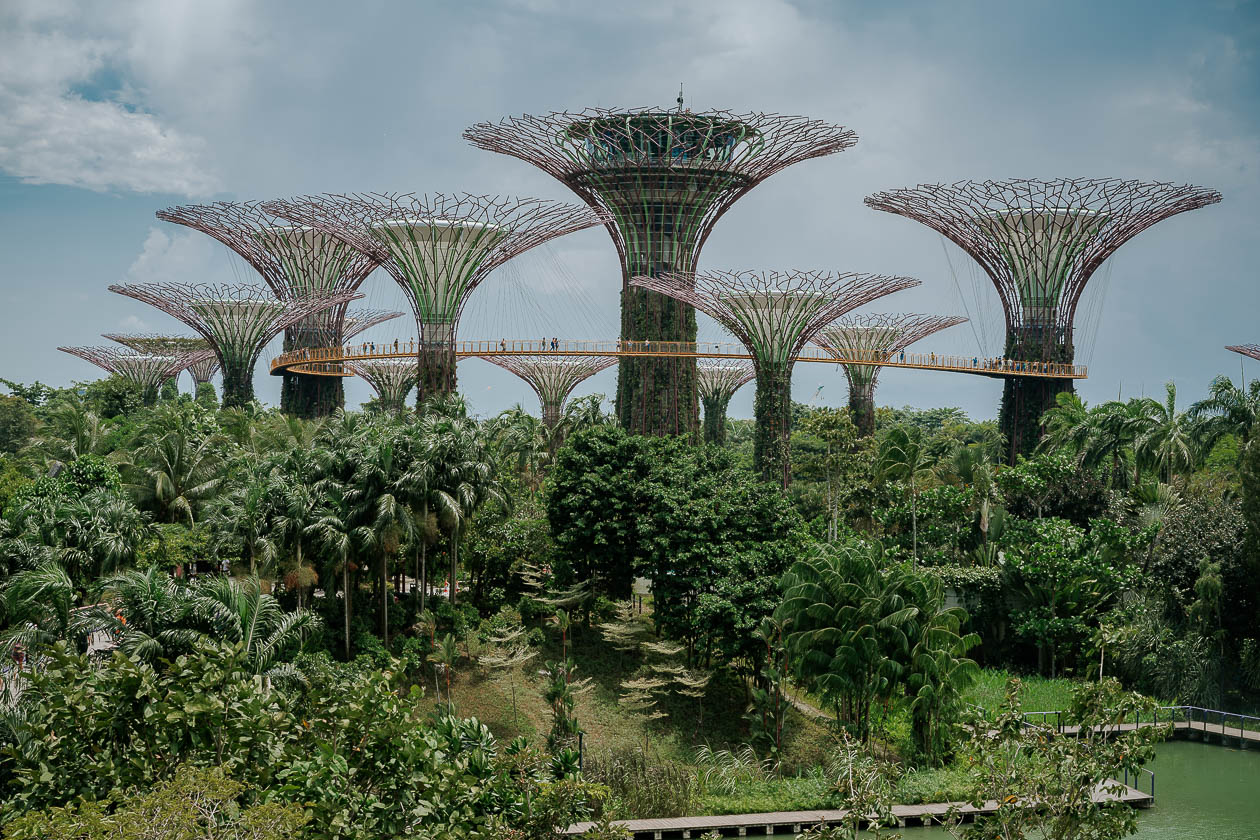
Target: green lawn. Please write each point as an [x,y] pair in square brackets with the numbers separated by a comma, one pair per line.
[1037,694]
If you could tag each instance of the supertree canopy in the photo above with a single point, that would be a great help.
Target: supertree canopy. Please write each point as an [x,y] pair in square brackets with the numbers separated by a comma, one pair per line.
[201,370]
[874,338]
[662,179]
[717,381]
[360,320]
[1040,242]
[438,248]
[774,314]
[146,370]
[236,319]
[392,379]
[294,261]
[553,378]
[1251,351]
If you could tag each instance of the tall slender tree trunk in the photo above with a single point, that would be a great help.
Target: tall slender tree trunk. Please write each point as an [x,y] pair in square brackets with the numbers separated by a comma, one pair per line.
[454,562]
[345,592]
[385,599]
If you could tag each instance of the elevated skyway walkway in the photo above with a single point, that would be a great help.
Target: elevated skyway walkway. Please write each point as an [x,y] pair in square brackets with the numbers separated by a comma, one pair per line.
[329,361]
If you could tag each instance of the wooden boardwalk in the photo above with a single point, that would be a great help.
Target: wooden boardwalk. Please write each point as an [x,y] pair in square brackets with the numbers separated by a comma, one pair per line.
[784,822]
[1183,729]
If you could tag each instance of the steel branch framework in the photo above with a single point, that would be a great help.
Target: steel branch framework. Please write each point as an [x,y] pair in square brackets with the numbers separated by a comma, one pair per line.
[360,320]
[236,319]
[1251,351]
[438,248]
[553,378]
[146,370]
[662,179]
[1040,242]
[392,379]
[877,336]
[201,370]
[774,314]
[717,381]
[294,261]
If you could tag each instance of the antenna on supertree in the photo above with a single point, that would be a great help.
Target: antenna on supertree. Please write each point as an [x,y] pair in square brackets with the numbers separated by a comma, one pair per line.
[236,319]
[392,379]
[438,248]
[361,320]
[146,370]
[876,337]
[553,379]
[717,381]
[1251,351]
[294,261]
[774,314]
[1040,242]
[663,179]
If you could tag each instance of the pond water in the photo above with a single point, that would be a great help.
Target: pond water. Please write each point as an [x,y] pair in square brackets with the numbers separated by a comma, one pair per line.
[1203,792]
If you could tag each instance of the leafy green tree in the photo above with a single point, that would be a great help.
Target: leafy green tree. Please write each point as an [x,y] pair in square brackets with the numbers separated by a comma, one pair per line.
[1165,440]
[240,613]
[1228,410]
[17,423]
[177,471]
[902,457]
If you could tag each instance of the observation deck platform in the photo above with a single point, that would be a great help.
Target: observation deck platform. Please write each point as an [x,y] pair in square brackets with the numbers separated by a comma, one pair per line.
[329,361]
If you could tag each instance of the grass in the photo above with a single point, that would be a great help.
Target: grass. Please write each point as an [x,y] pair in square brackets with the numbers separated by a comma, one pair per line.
[1037,694]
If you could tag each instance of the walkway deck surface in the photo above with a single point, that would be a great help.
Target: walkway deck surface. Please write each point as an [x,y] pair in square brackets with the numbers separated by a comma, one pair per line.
[779,822]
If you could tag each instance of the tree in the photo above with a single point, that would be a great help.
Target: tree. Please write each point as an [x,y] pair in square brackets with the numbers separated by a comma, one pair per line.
[239,612]
[902,458]
[1165,440]
[1044,783]
[158,610]
[178,470]
[243,518]
[1228,410]
[17,423]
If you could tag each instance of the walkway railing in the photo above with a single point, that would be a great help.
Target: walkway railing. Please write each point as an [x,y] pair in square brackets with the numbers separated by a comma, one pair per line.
[329,361]
[1060,721]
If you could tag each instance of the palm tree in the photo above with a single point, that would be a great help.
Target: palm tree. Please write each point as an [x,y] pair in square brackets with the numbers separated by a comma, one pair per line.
[158,612]
[298,511]
[37,607]
[177,472]
[523,438]
[1228,410]
[1165,440]
[332,538]
[1069,424]
[241,613]
[70,430]
[902,458]
[246,515]
[383,520]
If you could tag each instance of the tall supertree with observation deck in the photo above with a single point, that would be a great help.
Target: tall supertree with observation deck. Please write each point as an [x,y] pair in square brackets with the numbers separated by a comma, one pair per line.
[874,338]
[1040,242]
[438,248]
[717,381]
[774,314]
[392,379]
[662,179]
[553,379]
[238,320]
[295,262]
[147,370]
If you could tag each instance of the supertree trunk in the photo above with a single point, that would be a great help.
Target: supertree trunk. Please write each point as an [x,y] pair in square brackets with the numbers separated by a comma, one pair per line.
[1026,398]
[238,385]
[772,408]
[862,407]
[657,395]
[306,396]
[437,373]
[715,418]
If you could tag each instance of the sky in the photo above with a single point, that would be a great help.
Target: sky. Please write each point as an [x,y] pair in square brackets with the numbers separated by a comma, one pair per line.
[110,112]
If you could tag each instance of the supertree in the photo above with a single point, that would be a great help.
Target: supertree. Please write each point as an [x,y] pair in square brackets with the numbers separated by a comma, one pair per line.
[237,319]
[201,370]
[1251,351]
[146,370]
[294,261]
[774,314]
[553,379]
[1040,242]
[360,320]
[874,338]
[392,379]
[438,248]
[662,179]
[717,381]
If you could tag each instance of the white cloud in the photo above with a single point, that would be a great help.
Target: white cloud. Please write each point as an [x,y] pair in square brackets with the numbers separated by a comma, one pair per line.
[178,257]
[53,134]
[133,323]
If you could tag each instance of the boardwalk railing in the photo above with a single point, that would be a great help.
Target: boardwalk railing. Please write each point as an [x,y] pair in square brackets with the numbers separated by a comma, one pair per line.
[329,361]
[1226,723]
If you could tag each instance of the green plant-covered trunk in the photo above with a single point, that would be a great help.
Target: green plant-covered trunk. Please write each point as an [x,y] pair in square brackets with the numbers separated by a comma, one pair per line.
[1026,398]
[437,372]
[772,408]
[238,385]
[309,396]
[862,408]
[656,395]
[715,419]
